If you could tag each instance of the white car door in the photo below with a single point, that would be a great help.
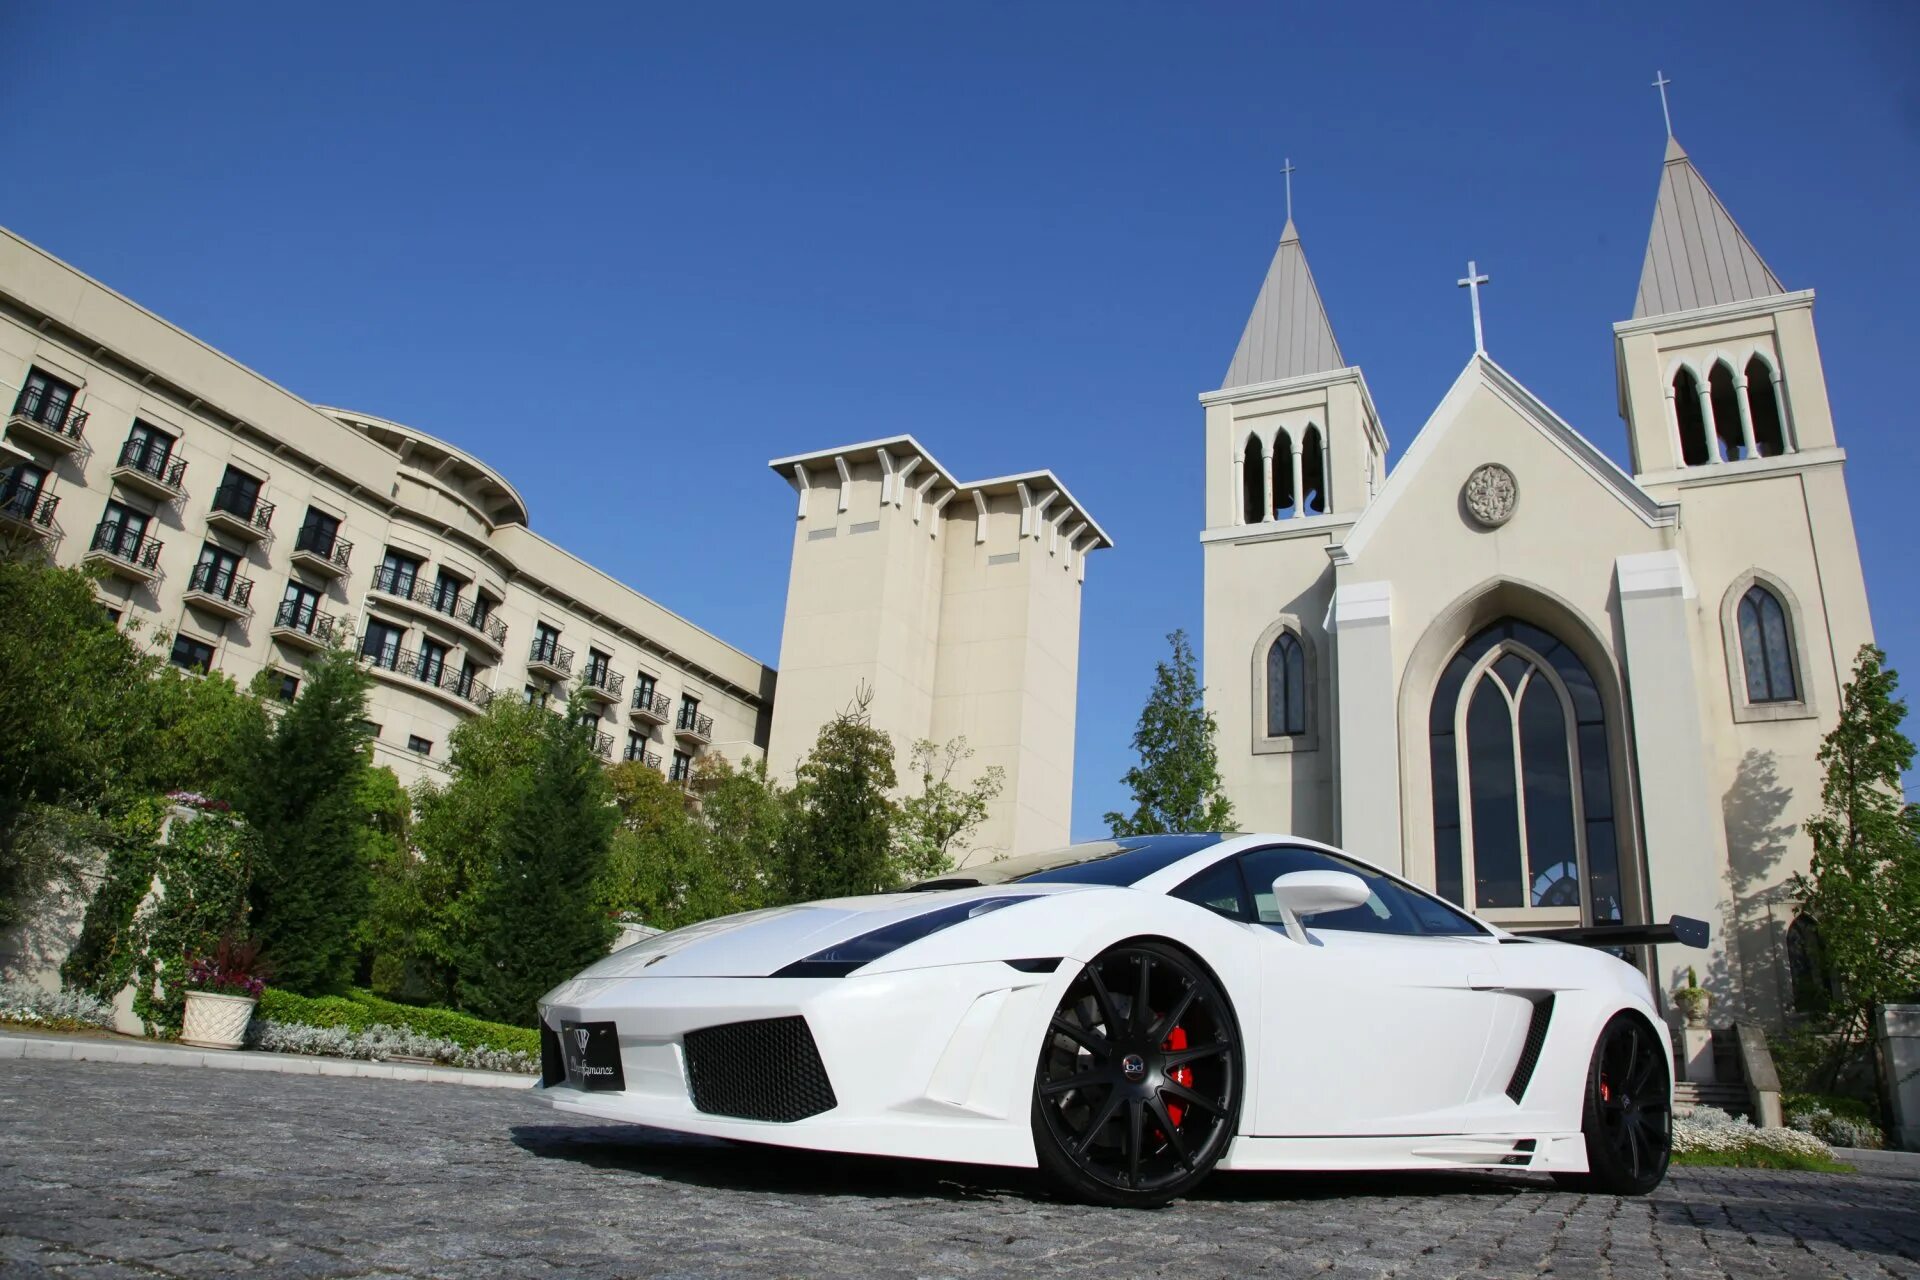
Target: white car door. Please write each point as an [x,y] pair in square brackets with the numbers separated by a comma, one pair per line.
[1379,1022]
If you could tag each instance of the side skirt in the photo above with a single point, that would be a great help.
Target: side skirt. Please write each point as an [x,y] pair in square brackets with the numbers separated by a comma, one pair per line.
[1546,1153]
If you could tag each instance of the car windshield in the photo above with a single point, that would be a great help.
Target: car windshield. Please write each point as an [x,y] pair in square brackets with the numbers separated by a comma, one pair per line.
[1122,861]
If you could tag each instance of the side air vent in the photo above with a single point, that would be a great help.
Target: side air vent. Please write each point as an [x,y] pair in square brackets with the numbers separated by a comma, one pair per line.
[1530,1052]
[768,1069]
[553,1067]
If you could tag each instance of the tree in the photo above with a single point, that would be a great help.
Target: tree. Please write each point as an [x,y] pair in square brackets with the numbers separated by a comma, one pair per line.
[1176,785]
[303,797]
[540,920]
[838,840]
[1863,887]
[933,820]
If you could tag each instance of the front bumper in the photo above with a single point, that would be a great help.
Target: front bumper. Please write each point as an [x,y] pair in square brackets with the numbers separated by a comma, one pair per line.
[928,1063]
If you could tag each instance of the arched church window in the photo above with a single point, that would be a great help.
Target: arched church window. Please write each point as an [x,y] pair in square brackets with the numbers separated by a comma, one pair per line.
[1725,398]
[1694,449]
[1282,474]
[1313,471]
[1763,407]
[1806,968]
[1286,687]
[1766,648]
[1253,483]
[1523,801]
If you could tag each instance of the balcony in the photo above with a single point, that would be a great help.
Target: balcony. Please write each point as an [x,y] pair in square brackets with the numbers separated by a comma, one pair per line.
[27,508]
[681,774]
[640,755]
[472,616]
[431,675]
[124,553]
[220,591]
[151,470]
[549,660]
[603,745]
[602,684]
[321,552]
[650,707]
[240,513]
[302,626]
[693,727]
[47,422]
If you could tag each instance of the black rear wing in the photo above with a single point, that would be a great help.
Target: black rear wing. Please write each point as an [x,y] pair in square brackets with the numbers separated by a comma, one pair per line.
[1684,930]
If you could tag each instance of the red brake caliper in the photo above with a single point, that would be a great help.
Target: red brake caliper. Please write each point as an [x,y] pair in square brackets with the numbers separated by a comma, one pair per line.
[1606,1094]
[1182,1076]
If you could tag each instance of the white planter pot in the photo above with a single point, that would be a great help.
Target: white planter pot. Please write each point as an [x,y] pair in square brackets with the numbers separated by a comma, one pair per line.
[216,1021]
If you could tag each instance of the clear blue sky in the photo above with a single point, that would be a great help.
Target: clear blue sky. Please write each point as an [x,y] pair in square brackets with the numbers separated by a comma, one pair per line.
[629,253]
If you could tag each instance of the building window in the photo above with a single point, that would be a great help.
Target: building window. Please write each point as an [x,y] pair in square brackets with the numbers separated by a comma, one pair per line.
[318,532]
[381,644]
[45,399]
[1766,647]
[1253,482]
[20,490]
[643,688]
[299,608]
[194,655]
[1313,471]
[238,493]
[1763,408]
[121,529]
[446,592]
[432,665]
[1286,686]
[1691,419]
[682,770]
[113,615]
[398,573]
[1523,799]
[215,572]
[289,687]
[419,745]
[636,746]
[372,729]
[546,642]
[689,711]
[148,448]
[536,697]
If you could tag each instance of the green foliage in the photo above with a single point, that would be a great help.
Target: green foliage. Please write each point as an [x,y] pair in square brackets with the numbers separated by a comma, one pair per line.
[932,823]
[1759,1157]
[357,1010]
[302,793]
[102,960]
[1176,785]
[672,862]
[1863,888]
[838,840]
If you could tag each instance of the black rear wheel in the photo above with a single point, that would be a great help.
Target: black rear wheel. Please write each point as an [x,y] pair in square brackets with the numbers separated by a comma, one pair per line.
[1628,1117]
[1137,1092]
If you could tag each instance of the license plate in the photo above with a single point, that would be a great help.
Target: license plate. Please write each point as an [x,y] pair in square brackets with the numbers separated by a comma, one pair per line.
[592,1054]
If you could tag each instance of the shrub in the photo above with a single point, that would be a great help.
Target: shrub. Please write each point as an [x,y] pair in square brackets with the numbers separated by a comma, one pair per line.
[54,1010]
[359,1011]
[377,1042]
[1710,1136]
[1842,1122]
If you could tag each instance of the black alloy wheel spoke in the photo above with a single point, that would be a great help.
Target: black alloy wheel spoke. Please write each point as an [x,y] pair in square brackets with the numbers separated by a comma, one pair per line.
[1172,1130]
[1110,1105]
[1109,1012]
[1642,1074]
[1137,1017]
[1085,1080]
[1171,1018]
[1181,1093]
[1094,1044]
[1181,1057]
[1136,1139]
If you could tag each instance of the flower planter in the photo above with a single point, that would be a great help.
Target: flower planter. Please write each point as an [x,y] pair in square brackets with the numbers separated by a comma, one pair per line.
[215,1021]
[1693,1002]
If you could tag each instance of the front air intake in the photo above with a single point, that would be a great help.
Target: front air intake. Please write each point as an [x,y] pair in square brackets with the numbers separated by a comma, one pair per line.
[1530,1052]
[768,1069]
[553,1066]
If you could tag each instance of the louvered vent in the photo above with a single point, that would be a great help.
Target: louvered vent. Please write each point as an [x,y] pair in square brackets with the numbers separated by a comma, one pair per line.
[1530,1052]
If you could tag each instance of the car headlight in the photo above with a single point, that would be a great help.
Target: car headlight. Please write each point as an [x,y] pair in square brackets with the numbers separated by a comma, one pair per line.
[842,958]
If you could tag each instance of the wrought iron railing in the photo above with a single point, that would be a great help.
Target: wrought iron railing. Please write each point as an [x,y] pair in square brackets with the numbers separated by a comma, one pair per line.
[548,651]
[331,547]
[649,703]
[640,755]
[304,618]
[112,538]
[406,585]
[603,745]
[244,502]
[155,463]
[682,771]
[49,413]
[211,579]
[28,505]
[691,721]
[604,679]
[430,670]
[478,615]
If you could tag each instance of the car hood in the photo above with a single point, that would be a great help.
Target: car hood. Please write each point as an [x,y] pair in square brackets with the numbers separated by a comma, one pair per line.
[759,943]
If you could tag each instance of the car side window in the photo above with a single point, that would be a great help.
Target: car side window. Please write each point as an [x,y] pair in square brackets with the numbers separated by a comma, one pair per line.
[1385,911]
[1218,889]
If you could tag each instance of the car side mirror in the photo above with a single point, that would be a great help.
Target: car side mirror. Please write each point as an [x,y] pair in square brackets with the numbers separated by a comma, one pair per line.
[1305,893]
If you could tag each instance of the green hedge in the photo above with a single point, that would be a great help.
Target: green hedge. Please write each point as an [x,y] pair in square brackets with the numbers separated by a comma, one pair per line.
[359,1010]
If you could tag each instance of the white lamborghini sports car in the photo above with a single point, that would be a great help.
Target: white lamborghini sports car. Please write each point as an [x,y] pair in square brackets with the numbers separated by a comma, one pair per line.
[1129,1017]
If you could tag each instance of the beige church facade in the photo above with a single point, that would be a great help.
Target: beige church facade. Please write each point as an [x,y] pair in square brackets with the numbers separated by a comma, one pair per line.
[1556,691]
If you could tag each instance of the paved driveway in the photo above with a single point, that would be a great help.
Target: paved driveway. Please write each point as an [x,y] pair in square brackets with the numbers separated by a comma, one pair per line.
[110,1170]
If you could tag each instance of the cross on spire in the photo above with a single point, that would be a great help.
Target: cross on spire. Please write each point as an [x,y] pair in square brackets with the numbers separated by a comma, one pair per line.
[1287,170]
[1661,82]
[1472,285]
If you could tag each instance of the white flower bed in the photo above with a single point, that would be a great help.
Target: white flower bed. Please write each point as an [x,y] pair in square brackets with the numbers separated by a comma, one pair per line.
[20,1002]
[380,1042]
[1710,1129]
[1841,1131]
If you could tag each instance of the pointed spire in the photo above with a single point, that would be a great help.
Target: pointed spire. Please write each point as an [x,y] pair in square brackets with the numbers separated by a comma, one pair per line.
[1288,335]
[1696,253]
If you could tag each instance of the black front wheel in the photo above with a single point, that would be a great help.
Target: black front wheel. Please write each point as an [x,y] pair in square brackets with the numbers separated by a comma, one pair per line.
[1628,1117]
[1137,1092]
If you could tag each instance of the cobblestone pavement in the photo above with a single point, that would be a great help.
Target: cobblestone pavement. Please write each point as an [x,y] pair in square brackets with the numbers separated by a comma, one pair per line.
[110,1170]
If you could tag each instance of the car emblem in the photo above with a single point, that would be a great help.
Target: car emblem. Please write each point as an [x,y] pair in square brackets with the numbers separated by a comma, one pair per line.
[580,1036]
[1133,1066]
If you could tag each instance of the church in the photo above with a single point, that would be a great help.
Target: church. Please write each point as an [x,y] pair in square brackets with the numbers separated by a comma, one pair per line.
[1557,692]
